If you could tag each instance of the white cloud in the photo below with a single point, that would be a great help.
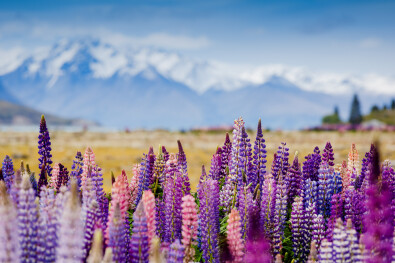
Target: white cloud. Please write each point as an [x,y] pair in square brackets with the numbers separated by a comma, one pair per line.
[370,42]
[11,59]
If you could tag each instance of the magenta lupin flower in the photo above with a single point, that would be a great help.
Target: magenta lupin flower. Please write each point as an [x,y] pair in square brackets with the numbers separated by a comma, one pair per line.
[189,226]
[258,251]
[234,237]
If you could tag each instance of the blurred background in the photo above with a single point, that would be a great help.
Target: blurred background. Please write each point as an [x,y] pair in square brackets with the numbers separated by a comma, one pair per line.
[124,75]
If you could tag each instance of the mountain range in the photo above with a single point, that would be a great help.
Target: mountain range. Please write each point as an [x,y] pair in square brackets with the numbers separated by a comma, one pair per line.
[150,88]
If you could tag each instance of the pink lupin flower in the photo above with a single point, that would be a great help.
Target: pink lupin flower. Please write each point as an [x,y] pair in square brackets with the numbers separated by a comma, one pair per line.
[119,194]
[89,164]
[149,206]
[54,178]
[189,226]
[134,185]
[235,241]
[353,163]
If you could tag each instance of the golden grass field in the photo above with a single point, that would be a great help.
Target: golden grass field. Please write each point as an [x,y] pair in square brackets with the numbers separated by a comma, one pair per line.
[118,150]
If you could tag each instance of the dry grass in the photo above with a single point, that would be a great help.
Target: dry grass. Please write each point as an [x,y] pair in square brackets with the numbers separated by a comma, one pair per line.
[117,151]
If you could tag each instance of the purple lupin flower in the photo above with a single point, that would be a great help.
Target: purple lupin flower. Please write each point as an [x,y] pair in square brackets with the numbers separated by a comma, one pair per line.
[9,238]
[294,180]
[27,221]
[298,226]
[44,147]
[268,202]
[325,189]
[244,169]
[42,181]
[176,252]
[226,150]
[71,229]
[226,195]
[100,195]
[160,219]
[48,239]
[76,168]
[312,165]
[354,206]
[378,221]
[365,170]
[92,216]
[318,230]
[341,243]
[280,162]
[337,183]
[172,205]
[183,167]
[310,192]
[336,212]
[8,172]
[63,177]
[146,174]
[116,236]
[327,155]
[259,158]
[139,241]
[216,166]
[209,220]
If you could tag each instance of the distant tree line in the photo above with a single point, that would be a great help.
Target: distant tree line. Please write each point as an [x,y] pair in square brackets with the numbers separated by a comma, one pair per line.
[355,113]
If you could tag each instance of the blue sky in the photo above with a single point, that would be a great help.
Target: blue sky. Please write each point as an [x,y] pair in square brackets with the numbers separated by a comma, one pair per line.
[353,37]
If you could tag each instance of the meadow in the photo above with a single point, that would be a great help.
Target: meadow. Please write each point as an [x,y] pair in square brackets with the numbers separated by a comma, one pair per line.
[117,151]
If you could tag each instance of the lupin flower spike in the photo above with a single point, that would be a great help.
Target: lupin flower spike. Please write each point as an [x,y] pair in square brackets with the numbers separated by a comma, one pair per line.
[176,252]
[116,235]
[189,226]
[27,220]
[327,155]
[8,172]
[150,213]
[139,239]
[71,228]
[9,243]
[44,148]
[89,164]
[234,238]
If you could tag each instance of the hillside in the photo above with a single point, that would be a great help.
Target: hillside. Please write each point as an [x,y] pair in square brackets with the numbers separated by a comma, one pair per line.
[385,116]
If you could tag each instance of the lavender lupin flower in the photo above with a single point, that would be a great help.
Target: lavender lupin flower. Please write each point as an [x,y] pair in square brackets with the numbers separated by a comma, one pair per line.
[8,172]
[234,161]
[280,162]
[246,206]
[354,250]
[176,252]
[244,169]
[336,212]
[9,239]
[139,241]
[27,221]
[326,252]
[71,230]
[48,239]
[268,201]
[310,192]
[325,190]
[209,220]
[318,230]
[226,195]
[116,233]
[44,147]
[280,214]
[341,243]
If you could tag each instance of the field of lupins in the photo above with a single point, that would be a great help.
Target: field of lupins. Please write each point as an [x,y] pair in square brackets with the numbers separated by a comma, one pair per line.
[299,209]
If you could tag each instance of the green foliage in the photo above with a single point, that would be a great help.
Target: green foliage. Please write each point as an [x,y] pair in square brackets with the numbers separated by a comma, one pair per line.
[198,253]
[287,243]
[355,114]
[332,118]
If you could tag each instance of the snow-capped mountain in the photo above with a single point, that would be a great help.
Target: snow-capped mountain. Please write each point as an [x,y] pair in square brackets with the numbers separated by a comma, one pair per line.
[149,88]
